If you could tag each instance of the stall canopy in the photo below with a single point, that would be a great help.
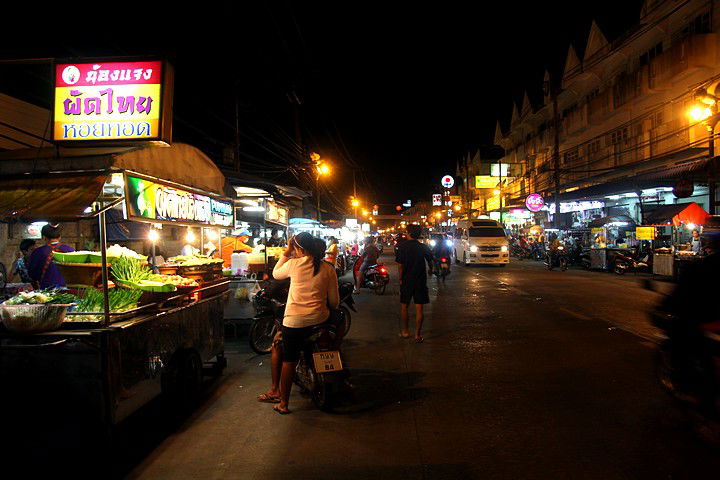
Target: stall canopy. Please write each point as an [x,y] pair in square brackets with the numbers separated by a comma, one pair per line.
[619,220]
[676,215]
[65,181]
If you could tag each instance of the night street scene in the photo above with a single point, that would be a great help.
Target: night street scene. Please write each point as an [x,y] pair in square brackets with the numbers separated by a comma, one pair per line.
[360,240]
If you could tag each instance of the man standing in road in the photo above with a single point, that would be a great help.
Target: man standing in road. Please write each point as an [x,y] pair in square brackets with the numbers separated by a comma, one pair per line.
[411,259]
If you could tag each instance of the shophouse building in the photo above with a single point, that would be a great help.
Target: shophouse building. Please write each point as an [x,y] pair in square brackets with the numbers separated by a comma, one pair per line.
[613,135]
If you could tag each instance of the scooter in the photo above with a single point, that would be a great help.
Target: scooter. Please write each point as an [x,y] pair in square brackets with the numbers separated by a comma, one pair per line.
[269,305]
[627,263]
[442,267]
[557,258]
[376,276]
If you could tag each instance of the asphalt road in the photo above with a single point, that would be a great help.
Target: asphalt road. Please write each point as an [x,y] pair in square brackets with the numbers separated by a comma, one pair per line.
[524,373]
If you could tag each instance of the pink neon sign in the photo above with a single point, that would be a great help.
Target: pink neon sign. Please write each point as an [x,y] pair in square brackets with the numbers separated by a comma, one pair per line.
[534,202]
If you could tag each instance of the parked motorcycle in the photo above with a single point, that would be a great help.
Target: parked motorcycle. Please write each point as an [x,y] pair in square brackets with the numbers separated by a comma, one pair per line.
[579,256]
[557,258]
[442,267]
[269,305]
[629,263]
[376,276]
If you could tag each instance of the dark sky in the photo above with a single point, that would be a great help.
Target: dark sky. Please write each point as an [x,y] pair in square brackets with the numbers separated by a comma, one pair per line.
[396,89]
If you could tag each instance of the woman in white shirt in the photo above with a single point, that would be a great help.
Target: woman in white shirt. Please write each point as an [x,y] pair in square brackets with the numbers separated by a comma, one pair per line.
[313,291]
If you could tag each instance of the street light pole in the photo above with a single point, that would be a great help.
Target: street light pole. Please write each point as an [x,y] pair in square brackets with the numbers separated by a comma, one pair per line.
[317,194]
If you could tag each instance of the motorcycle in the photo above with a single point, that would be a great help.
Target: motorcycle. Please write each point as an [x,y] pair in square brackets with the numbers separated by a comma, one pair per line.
[557,258]
[442,267]
[579,257]
[537,251]
[269,306]
[320,370]
[628,263]
[376,276]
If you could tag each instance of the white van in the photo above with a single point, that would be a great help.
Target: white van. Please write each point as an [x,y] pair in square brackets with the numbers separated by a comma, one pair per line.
[481,242]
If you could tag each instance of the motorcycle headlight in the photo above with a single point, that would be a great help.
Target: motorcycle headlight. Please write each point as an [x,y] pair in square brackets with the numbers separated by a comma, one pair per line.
[433,243]
[561,247]
[474,248]
[449,243]
[503,248]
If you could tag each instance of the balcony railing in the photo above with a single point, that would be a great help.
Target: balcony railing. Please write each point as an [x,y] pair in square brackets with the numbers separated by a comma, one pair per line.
[692,52]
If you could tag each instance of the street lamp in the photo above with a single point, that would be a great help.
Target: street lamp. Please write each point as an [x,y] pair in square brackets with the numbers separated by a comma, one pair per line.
[323,170]
[705,111]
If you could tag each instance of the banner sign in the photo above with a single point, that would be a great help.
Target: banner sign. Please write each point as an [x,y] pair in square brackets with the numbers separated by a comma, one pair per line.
[276,214]
[534,202]
[492,203]
[645,233]
[111,101]
[485,181]
[148,200]
[499,169]
[437,200]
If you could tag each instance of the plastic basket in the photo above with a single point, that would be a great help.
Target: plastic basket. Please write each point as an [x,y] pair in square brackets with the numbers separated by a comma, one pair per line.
[33,318]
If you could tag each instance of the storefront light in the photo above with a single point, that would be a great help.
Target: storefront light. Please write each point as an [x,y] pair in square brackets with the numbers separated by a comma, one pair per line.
[691,226]
[153,235]
[190,236]
[613,197]
[631,195]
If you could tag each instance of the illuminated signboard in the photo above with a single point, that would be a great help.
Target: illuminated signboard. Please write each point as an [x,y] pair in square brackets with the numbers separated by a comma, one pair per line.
[499,169]
[534,202]
[148,200]
[485,181]
[447,181]
[436,200]
[492,203]
[645,233]
[112,101]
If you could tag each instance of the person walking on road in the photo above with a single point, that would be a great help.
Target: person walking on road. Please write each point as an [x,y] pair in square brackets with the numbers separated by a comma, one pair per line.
[411,259]
[313,291]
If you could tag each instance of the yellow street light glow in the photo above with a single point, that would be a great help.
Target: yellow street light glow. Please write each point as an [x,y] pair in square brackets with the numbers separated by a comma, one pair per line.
[438,215]
[355,203]
[496,191]
[153,235]
[457,208]
[314,157]
[374,222]
[698,114]
[365,213]
[324,169]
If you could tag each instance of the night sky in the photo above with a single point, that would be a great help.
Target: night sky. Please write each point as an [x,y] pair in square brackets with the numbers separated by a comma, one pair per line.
[397,90]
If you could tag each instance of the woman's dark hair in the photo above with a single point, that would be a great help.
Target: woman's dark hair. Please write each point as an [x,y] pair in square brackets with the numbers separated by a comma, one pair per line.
[26,244]
[314,246]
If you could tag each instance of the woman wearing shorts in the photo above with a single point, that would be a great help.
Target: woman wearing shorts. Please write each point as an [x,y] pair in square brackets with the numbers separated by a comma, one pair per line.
[313,286]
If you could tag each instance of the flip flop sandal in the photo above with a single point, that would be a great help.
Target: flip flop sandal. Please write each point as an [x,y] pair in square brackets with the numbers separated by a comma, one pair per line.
[403,336]
[265,398]
[419,340]
[281,412]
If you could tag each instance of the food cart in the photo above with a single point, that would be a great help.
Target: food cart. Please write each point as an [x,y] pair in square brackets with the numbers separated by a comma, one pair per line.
[608,236]
[102,368]
[680,219]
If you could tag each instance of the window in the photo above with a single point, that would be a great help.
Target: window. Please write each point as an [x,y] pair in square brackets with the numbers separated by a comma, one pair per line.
[699,24]
[657,119]
[651,54]
[571,156]
[618,136]
[594,147]
[487,232]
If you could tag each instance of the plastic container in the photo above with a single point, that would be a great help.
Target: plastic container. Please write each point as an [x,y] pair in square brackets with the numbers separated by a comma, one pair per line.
[239,262]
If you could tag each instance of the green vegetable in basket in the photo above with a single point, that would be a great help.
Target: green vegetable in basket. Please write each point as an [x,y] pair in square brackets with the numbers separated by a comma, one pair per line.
[41,297]
[120,299]
[129,270]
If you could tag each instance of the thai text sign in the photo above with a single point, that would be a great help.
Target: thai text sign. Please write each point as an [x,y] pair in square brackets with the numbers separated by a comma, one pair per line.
[108,101]
[436,199]
[645,233]
[154,201]
[492,203]
[534,202]
[485,181]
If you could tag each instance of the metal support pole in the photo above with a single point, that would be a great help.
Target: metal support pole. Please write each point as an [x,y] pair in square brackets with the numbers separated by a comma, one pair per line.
[711,175]
[317,189]
[104,269]
[556,160]
[202,240]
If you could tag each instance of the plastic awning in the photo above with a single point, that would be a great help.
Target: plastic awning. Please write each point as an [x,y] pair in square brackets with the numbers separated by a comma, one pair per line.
[619,220]
[676,215]
[49,197]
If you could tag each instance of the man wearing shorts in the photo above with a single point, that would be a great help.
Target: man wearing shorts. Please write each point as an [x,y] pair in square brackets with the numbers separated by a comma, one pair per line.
[411,259]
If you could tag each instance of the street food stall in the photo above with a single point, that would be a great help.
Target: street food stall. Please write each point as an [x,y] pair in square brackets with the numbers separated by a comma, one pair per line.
[122,334]
[677,221]
[608,236]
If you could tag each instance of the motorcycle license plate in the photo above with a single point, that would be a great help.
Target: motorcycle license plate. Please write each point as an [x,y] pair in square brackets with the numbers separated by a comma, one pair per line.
[327,361]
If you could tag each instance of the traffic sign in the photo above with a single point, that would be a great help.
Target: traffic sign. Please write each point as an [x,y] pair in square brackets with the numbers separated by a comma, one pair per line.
[447,181]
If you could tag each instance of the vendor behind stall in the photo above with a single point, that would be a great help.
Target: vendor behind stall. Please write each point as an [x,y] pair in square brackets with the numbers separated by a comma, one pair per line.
[235,243]
[43,272]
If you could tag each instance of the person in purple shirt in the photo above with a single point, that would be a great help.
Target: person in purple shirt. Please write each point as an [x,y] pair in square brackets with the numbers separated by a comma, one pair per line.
[43,272]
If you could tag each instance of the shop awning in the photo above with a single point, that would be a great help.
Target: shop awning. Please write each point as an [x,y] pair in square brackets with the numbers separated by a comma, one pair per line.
[179,163]
[613,219]
[49,197]
[676,215]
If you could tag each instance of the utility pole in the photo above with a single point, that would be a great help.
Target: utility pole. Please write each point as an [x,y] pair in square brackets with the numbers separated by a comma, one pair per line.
[556,157]
[237,132]
[501,190]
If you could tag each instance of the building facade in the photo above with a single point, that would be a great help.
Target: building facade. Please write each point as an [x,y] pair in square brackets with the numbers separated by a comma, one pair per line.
[614,135]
